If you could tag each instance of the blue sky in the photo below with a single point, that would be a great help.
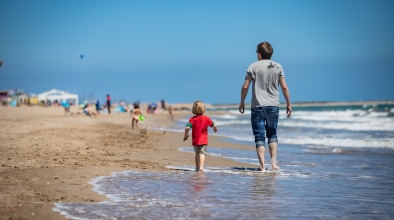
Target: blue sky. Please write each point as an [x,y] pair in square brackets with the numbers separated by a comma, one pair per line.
[333,50]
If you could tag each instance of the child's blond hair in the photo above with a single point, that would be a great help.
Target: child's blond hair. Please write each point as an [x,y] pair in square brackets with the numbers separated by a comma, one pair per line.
[198,108]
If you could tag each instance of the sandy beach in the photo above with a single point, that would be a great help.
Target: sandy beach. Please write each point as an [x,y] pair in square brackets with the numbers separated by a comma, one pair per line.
[47,156]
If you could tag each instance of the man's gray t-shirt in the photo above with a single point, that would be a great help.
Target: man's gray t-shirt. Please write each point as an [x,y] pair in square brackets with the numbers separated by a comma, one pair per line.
[265,83]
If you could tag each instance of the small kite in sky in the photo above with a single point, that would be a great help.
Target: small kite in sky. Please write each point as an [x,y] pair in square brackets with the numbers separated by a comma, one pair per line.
[81,56]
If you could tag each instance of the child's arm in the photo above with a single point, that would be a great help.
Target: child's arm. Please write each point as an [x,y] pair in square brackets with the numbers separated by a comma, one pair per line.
[187,129]
[215,129]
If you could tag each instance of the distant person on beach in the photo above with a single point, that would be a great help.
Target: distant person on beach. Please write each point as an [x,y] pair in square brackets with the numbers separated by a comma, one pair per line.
[98,108]
[66,106]
[87,109]
[135,116]
[265,76]
[163,104]
[170,112]
[109,103]
[199,124]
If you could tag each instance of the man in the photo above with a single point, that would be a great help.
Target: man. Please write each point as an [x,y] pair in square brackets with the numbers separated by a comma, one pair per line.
[265,76]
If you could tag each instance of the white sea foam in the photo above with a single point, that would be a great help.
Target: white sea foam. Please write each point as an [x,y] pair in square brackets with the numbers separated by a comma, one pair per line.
[341,142]
[236,112]
[231,122]
[353,120]
[346,116]
[332,141]
[385,124]
[225,116]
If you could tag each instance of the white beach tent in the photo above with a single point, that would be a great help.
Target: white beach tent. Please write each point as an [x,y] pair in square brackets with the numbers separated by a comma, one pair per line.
[58,95]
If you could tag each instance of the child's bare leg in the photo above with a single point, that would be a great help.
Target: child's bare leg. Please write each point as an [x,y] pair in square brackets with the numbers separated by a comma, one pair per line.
[197,160]
[132,123]
[260,154]
[202,160]
[273,149]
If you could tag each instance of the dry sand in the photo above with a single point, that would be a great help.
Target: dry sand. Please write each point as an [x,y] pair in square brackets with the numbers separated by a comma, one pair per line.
[49,157]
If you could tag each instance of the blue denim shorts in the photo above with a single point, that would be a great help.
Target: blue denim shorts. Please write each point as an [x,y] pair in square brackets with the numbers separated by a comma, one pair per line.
[265,120]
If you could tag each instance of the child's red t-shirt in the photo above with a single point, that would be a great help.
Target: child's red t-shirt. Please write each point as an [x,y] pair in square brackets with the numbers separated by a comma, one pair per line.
[199,125]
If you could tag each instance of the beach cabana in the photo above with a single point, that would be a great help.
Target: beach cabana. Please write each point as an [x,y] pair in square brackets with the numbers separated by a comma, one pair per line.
[59,96]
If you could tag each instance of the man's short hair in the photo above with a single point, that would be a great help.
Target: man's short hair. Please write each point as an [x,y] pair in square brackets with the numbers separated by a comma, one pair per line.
[265,49]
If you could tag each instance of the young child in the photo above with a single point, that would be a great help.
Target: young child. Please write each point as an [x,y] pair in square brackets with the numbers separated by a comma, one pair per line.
[199,124]
[135,115]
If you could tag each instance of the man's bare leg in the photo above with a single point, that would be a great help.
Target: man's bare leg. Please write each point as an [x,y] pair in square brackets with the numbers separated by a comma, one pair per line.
[260,154]
[273,150]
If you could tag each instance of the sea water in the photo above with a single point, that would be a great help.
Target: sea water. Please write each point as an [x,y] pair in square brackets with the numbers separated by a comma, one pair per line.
[336,162]
[368,126]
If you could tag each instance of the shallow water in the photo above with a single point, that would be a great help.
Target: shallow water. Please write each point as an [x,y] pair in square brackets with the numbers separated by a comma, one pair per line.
[313,183]
[330,126]
[336,162]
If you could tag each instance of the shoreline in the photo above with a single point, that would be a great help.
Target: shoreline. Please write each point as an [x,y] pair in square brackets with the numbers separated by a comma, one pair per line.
[49,157]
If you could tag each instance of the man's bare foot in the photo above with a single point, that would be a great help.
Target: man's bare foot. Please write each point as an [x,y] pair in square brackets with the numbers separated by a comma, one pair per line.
[261,169]
[274,164]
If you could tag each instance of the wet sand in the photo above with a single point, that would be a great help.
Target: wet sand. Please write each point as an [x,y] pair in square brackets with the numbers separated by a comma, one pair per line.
[47,156]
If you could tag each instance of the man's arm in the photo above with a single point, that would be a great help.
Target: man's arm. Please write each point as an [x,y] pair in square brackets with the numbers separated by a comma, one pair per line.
[244,92]
[286,94]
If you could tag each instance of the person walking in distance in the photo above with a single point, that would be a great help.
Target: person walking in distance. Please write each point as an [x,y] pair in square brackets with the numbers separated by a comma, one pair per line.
[265,76]
[109,103]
